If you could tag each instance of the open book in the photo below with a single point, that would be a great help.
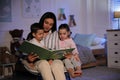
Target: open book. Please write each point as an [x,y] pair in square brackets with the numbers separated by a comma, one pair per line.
[43,53]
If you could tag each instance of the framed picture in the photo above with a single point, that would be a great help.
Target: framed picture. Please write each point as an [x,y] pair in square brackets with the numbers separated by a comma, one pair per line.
[5,11]
[31,8]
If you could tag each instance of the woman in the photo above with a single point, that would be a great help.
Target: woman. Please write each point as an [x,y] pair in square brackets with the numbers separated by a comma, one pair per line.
[50,39]
[48,22]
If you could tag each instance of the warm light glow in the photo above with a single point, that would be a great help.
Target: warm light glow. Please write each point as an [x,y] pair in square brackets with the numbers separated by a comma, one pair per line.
[117,14]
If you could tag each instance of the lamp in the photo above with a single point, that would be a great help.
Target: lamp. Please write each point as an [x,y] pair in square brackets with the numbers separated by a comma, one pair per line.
[117,15]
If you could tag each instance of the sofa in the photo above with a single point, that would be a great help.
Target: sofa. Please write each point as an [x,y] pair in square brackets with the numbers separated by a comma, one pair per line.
[91,48]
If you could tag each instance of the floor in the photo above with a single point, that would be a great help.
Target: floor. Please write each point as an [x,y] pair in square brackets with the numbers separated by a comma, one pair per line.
[100,73]
[94,73]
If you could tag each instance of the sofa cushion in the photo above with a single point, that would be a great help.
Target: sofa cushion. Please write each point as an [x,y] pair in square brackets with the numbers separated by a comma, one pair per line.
[85,54]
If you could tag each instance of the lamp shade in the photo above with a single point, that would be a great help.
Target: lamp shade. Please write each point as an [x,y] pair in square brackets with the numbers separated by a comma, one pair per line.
[117,14]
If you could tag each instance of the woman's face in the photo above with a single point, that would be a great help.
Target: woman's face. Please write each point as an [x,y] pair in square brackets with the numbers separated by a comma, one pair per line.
[48,24]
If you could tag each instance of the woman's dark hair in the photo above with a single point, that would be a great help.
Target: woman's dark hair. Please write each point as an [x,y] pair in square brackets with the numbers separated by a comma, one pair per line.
[34,27]
[49,15]
[65,26]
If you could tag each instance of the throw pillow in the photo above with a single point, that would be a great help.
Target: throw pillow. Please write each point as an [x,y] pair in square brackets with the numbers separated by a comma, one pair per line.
[98,41]
[84,39]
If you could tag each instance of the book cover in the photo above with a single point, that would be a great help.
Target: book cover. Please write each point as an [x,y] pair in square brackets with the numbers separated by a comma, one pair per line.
[43,53]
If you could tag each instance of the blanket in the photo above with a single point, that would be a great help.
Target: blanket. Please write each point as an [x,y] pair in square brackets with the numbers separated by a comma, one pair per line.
[85,54]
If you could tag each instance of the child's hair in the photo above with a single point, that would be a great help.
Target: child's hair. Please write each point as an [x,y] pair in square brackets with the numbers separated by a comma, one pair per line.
[65,26]
[34,28]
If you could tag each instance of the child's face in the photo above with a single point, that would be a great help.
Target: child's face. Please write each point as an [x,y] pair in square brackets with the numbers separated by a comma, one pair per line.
[39,35]
[63,34]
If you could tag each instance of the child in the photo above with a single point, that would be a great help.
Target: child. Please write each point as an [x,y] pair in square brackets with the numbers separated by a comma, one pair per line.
[72,61]
[35,37]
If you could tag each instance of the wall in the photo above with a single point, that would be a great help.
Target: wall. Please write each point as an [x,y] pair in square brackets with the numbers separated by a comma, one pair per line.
[91,16]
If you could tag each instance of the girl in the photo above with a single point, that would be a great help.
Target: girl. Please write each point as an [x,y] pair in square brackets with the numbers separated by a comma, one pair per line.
[72,62]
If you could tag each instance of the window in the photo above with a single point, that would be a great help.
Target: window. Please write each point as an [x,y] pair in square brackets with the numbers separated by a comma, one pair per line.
[115,7]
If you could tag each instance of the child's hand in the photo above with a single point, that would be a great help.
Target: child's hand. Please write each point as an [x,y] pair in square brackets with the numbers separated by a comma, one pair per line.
[68,55]
[76,57]
[50,62]
[32,57]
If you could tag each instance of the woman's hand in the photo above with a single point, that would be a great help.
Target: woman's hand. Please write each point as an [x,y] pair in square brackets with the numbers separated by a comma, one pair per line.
[32,57]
